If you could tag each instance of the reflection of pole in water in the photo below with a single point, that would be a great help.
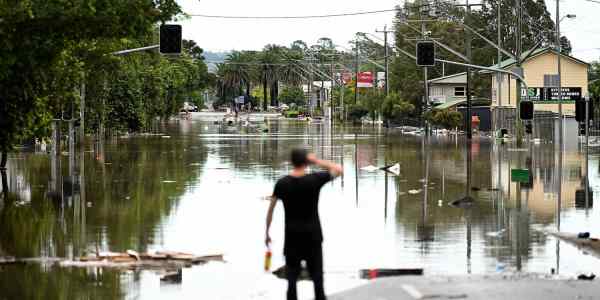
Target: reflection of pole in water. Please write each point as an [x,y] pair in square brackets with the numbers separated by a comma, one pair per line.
[356,165]
[385,208]
[469,239]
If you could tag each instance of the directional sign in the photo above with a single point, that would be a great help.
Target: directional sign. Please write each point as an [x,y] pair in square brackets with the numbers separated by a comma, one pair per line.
[519,175]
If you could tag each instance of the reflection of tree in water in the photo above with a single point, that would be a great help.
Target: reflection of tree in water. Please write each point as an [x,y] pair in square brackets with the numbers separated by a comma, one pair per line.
[128,199]
[35,282]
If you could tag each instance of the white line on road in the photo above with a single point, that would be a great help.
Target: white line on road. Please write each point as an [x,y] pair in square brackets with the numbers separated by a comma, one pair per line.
[412,291]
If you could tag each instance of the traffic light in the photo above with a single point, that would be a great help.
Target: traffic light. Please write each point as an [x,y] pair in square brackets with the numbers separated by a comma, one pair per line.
[582,128]
[526,110]
[170,39]
[528,128]
[425,54]
[580,110]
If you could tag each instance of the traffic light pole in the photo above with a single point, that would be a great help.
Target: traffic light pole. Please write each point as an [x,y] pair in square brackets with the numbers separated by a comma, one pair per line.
[587,157]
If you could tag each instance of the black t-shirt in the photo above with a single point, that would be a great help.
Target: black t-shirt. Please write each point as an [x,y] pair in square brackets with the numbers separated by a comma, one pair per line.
[300,197]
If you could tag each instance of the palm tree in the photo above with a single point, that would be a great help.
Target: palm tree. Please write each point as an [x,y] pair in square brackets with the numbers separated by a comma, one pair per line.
[269,60]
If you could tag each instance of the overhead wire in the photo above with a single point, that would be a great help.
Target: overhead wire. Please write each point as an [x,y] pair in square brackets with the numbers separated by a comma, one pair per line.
[295,17]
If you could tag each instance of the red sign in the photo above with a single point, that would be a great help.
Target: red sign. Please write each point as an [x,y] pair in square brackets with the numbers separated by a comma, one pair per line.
[365,79]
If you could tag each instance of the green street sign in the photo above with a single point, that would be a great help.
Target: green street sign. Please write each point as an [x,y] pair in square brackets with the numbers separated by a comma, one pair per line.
[519,175]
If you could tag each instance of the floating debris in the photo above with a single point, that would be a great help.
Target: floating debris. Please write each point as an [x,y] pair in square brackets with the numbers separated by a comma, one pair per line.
[168,181]
[166,136]
[376,273]
[463,202]
[496,233]
[414,192]
[591,276]
[370,168]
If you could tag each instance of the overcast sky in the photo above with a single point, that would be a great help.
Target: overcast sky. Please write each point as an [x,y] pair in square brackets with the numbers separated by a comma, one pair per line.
[235,34]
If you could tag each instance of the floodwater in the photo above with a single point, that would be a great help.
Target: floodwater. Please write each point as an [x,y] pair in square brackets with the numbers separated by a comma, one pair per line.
[197,188]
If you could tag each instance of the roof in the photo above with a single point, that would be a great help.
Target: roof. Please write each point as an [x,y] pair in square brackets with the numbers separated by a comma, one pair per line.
[530,54]
[454,103]
[459,78]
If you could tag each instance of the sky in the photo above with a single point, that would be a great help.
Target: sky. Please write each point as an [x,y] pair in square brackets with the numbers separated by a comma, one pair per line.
[235,34]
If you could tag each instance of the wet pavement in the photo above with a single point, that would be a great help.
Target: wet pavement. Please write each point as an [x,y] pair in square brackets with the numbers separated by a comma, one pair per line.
[200,188]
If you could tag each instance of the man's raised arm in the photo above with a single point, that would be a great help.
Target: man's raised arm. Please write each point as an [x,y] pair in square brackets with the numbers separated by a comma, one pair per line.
[334,169]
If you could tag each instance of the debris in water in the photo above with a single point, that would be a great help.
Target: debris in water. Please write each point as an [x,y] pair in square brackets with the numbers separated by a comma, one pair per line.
[370,168]
[166,136]
[89,204]
[195,164]
[172,276]
[376,273]
[440,203]
[496,233]
[281,273]
[586,277]
[394,169]
[463,202]
[414,192]
[168,181]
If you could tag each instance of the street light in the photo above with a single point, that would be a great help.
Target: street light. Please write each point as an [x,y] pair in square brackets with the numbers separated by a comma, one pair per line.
[559,50]
[569,16]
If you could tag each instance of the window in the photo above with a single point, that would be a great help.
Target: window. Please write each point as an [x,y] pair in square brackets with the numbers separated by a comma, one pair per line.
[459,91]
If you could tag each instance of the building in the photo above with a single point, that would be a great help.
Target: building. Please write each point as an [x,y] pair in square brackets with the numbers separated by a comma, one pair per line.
[448,89]
[540,72]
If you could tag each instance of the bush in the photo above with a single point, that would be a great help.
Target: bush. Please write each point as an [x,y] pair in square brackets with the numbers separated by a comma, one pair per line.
[444,118]
[394,108]
[291,114]
[357,112]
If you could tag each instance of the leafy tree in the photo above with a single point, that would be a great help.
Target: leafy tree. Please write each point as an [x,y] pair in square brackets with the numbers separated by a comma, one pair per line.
[40,40]
[394,108]
[292,95]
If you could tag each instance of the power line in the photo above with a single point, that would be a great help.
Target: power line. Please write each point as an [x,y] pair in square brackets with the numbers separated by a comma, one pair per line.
[295,17]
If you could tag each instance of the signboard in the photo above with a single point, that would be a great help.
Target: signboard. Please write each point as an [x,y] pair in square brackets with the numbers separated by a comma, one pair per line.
[519,175]
[550,95]
[380,79]
[365,80]
[240,100]
[347,77]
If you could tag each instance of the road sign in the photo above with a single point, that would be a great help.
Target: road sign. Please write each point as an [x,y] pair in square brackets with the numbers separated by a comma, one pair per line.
[519,175]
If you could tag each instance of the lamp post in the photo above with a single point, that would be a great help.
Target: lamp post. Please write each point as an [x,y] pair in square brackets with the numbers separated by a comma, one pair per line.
[559,50]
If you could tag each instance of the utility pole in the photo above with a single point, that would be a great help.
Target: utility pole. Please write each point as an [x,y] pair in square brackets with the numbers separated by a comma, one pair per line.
[387,61]
[468,40]
[518,127]
[82,111]
[425,69]
[499,76]
[356,69]
[559,50]
[468,89]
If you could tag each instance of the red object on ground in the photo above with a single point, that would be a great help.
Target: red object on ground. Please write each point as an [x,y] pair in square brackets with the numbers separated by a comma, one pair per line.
[268,255]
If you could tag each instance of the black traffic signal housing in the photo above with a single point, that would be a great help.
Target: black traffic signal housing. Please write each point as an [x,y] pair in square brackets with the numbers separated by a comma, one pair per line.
[526,110]
[425,54]
[170,39]
[528,128]
[580,110]
[582,128]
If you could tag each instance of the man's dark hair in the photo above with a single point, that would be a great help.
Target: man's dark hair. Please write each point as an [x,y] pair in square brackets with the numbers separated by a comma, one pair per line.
[299,158]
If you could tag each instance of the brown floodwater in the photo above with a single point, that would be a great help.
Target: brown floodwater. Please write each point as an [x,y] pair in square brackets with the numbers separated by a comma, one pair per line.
[200,188]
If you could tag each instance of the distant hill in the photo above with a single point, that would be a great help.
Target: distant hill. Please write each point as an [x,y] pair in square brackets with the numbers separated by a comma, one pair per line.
[212,58]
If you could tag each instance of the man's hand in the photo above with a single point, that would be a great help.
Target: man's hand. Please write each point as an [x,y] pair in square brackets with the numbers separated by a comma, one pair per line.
[333,168]
[268,241]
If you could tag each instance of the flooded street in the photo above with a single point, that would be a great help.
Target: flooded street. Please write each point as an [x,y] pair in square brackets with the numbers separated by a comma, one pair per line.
[197,188]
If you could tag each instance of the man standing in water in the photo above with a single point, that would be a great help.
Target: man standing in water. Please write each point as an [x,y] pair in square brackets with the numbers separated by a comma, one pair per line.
[299,192]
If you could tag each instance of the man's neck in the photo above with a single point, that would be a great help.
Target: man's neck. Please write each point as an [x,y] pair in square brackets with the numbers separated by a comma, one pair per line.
[298,172]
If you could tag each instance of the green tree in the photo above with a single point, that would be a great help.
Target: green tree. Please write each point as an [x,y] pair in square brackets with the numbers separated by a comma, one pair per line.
[292,95]
[36,60]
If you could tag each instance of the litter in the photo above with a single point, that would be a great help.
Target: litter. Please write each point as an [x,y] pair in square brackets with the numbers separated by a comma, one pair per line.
[586,277]
[496,233]
[463,202]
[282,273]
[370,168]
[376,273]
[583,235]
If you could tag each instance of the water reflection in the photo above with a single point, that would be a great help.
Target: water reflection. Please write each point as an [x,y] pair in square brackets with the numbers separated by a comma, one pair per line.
[194,189]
